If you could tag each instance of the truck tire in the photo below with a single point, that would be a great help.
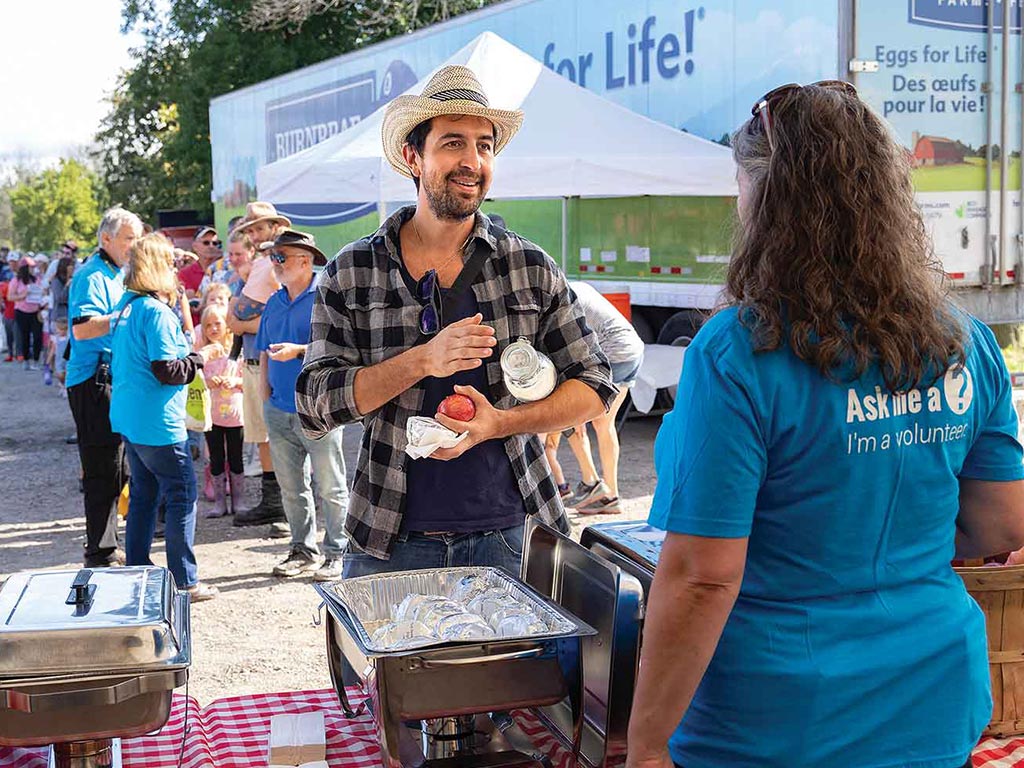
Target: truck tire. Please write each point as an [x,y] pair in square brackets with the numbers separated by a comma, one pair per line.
[643,327]
[679,330]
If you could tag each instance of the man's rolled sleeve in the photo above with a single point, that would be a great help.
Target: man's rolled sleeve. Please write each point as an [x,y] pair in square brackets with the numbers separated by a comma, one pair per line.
[571,344]
[325,390]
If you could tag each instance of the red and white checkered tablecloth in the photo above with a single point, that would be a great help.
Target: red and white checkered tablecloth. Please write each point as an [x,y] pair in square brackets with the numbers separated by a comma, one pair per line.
[232,733]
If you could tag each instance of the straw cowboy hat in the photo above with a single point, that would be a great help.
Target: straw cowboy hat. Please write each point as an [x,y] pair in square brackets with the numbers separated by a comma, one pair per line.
[454,90]
[258,211]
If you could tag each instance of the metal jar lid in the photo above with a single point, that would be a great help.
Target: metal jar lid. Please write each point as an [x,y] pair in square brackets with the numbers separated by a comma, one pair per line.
[520,360]
[92,621]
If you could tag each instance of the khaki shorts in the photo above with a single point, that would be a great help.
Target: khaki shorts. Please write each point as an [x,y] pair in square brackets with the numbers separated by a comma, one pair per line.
[253,426]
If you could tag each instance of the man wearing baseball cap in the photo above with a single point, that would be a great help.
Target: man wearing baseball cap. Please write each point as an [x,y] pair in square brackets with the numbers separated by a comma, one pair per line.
[399,324]
[206,245]
[262,223]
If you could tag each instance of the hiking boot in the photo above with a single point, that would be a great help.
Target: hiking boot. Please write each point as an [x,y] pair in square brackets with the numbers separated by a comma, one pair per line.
[199,592]
[329,571]
[220,507]
[296,564]
[269,510]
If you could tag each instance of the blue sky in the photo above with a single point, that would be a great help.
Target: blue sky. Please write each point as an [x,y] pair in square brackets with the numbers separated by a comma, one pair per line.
[60,58]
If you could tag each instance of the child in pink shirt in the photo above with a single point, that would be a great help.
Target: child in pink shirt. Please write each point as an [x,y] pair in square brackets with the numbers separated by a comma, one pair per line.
[224,381]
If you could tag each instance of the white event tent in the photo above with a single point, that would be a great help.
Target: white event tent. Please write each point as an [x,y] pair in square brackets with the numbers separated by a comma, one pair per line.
[572,143]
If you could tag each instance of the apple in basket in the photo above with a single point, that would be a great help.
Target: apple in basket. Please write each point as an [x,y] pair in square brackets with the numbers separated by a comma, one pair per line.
[458,407]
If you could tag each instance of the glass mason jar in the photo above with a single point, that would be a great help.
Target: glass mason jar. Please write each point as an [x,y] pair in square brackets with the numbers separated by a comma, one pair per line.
[529,374]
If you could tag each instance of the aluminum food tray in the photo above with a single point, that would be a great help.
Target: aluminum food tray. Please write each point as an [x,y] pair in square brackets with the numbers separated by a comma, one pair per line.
[367,601]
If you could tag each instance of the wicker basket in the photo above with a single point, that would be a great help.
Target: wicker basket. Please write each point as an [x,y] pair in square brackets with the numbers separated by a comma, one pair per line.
[1000,593]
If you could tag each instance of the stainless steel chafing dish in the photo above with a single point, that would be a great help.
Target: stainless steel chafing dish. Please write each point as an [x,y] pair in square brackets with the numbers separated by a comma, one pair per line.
[87,656]
[452,685]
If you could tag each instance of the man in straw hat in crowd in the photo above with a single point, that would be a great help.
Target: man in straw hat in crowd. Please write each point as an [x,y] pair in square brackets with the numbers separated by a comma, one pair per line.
[262,223]
[422,309]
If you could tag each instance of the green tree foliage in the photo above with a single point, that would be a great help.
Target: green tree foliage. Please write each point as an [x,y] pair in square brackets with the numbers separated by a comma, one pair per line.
[56,204]
[155,140]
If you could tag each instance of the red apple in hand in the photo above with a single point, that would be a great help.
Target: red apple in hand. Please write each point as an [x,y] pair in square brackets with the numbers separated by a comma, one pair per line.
[458,407]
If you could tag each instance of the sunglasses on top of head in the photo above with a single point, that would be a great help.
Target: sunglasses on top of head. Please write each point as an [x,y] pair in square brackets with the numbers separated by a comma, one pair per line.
[763,107]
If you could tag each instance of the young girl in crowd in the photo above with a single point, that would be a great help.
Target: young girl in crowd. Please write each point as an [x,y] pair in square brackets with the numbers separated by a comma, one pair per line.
[224,380]
[217,295]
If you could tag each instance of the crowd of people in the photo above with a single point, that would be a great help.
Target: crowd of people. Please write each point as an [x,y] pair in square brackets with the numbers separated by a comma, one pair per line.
[147,319]
[804,611]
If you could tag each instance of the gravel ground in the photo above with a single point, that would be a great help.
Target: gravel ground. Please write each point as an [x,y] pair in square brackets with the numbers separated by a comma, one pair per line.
[258,636]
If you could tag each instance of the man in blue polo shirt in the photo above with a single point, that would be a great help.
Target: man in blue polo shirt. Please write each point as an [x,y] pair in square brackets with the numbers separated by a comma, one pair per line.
[281,342]
[95,291]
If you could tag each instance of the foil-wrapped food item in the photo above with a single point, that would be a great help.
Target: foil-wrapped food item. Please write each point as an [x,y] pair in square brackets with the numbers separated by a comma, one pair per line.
[474,609]
[402,634]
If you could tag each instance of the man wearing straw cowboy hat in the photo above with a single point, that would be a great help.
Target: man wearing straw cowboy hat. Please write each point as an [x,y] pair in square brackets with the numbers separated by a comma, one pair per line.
[262,223]
[424,307]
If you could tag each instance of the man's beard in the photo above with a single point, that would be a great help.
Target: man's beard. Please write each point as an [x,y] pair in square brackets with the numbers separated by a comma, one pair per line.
[446,204]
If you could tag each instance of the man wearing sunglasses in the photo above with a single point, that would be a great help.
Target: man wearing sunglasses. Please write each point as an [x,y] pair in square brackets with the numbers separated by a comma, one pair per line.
[281,343]
[424,308]
[205,245]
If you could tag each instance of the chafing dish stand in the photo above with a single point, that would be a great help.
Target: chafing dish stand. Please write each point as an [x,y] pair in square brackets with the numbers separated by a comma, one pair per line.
[460,690]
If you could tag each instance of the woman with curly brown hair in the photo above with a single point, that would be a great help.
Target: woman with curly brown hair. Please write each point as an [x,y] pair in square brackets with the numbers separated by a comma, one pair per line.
[842,432]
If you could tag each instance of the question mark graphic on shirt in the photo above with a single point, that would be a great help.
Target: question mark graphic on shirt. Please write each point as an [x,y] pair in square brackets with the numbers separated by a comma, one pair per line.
[958,386]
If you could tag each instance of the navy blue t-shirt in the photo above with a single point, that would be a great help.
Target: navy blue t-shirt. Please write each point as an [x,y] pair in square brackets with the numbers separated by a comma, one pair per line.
[478,490]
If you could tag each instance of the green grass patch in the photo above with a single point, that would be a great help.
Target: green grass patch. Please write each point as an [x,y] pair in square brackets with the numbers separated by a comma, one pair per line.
[968,176]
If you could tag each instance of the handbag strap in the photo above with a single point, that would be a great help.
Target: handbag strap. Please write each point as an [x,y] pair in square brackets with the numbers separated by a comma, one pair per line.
[121,313]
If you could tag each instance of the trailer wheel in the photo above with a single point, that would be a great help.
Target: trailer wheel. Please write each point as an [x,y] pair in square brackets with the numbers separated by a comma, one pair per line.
[643,327]
[679,330]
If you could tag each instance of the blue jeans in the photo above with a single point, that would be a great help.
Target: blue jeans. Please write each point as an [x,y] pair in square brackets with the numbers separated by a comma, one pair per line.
[293,453]
[162,473]
[414,551]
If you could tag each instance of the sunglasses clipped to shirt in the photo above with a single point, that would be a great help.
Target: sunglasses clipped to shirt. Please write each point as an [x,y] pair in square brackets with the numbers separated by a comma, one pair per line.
[427,292]
[763,107]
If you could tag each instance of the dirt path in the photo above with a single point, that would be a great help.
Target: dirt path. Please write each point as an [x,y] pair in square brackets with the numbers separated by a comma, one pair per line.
[258,636]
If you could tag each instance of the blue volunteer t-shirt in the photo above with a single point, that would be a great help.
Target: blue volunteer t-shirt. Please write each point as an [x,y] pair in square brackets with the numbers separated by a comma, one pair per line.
[853,642]
[285,320]
[142,409]
[95,290]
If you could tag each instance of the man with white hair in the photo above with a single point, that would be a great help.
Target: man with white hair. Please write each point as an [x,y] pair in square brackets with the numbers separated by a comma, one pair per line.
[95,292]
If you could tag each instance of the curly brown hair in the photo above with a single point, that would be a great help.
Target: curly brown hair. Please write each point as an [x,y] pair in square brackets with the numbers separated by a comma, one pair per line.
[831,256]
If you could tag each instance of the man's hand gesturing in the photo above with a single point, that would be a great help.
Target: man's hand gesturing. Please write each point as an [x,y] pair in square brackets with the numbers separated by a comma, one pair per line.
[459,347]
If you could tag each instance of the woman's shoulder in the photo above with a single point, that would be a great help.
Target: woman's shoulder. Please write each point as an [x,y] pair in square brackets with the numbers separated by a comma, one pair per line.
[723,332]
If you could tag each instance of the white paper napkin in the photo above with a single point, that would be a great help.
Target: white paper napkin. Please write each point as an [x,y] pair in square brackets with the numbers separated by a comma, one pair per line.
[424,436]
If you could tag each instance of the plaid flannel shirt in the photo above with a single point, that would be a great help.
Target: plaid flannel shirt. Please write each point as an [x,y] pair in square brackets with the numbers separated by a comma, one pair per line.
[364,314]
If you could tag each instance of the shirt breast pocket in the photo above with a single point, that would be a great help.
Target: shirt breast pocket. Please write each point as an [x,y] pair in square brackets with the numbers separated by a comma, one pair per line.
[381,329]
[523,314]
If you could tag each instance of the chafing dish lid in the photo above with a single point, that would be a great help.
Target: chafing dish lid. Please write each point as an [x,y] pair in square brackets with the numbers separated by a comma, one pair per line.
[91,621]
[636,541]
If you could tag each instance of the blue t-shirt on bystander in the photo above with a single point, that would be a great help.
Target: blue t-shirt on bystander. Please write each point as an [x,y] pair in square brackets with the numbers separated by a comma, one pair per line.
[850,615]
[142,409]
[96,289]
[284,320]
